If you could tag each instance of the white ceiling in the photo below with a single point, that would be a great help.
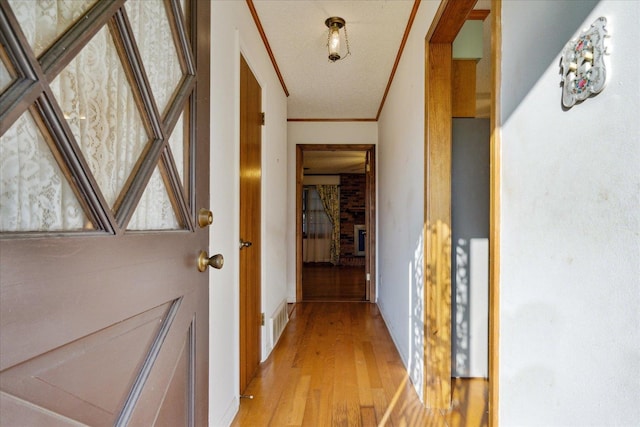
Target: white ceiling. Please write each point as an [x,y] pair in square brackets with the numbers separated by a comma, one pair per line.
[351,88]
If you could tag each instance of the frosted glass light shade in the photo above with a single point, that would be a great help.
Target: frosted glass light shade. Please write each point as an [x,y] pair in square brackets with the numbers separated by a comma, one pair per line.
[334,42]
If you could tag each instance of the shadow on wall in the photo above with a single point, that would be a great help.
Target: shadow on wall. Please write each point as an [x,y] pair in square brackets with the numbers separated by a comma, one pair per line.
[541,50]
[416,307]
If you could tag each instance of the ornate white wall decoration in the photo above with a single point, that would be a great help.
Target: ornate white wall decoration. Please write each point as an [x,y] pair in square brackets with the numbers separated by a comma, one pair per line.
[583,68]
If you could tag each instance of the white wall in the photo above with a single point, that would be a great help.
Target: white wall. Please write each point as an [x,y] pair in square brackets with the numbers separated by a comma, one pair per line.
[401,201]
[315,133]
[570,267]
[233,31]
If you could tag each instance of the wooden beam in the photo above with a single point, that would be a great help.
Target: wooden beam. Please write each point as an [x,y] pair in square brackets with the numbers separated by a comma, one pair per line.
[450,17]
[478,15]
[437,226]
[448,21]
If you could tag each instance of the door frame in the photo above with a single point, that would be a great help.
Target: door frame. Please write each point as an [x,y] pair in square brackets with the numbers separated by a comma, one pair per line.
[446,24]
[370,211]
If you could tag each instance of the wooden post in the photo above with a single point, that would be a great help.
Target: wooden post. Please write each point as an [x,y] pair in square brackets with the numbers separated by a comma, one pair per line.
[447,22]
[438,228]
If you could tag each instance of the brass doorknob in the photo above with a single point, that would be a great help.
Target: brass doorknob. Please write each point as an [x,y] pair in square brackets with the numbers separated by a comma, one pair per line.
[204,260]
[205,217]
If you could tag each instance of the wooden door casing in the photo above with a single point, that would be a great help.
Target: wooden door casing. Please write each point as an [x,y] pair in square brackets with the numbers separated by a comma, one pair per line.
[370,225]
[108,326]
[450,18]
[370,212]
[250,220]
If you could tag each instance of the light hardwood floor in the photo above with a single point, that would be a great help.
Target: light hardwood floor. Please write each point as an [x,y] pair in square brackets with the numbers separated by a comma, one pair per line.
[325,282]
[336,365]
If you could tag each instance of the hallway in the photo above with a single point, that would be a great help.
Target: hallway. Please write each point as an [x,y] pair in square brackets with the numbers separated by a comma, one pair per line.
[336,364]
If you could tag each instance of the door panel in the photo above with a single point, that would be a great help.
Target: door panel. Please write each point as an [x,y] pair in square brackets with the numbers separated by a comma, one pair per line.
[102,324]
[173,411]
[250,214]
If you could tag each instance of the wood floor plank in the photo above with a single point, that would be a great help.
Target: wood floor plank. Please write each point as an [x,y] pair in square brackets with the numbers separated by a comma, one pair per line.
[362,375]
[322,365]
[286,402]
[346,407]
[380,405]
[368,416]
[372,370]
[296,413]
[336,365]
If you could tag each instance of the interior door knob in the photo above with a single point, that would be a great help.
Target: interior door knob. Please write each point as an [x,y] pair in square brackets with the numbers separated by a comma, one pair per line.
[244,244]
[205,217]
[204,261]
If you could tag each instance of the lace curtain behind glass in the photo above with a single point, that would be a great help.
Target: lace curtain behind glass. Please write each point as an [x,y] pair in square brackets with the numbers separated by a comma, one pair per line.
[34,194]
[317,241]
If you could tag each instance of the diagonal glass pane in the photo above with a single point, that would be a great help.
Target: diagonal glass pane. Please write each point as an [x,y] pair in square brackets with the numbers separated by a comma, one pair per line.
[6,71]
[179,144]
[43,21]
[34,193]
[153,33]
[155,210]
[98,103]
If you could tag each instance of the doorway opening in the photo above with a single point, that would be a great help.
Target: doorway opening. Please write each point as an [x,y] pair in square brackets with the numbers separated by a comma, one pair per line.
[335,222]
[439,96]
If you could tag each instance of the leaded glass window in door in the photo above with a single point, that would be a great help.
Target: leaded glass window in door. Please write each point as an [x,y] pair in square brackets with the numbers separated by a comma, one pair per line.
[95,116]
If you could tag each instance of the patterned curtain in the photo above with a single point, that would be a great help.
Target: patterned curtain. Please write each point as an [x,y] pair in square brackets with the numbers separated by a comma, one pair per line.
[330,196]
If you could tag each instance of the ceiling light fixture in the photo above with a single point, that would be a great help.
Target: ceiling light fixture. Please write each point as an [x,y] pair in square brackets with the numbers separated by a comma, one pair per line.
[333,39]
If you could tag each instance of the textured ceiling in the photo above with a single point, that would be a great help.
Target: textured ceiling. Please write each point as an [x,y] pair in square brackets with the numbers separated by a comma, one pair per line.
[351,88]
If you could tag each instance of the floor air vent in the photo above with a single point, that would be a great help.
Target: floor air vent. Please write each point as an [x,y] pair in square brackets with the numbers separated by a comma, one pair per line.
[278,321]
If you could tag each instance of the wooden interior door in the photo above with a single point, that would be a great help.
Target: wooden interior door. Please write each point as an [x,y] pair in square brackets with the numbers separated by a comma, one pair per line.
[250,214]
[104,158]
